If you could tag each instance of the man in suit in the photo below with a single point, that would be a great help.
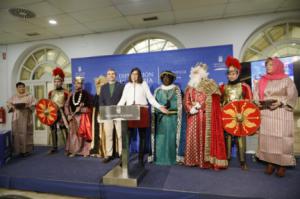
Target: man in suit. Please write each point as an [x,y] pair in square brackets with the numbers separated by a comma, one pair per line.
[110,94]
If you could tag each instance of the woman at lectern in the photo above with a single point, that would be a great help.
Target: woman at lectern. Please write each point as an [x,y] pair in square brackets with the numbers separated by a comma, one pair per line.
[137,92]
[276,95]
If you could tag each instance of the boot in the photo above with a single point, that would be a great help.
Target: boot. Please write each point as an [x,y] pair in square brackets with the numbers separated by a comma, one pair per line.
[64,132]
[244,166]
[241,143]
[53,150]
[141,160]
[281,171]
[54,141]
[142,134]
[269,169]
[228,140]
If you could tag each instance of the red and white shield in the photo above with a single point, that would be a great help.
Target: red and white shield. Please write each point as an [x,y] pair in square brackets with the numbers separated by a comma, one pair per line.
[46,111]
[240,118]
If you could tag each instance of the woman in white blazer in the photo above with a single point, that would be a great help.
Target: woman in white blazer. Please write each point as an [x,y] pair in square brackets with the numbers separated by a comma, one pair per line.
[137,92]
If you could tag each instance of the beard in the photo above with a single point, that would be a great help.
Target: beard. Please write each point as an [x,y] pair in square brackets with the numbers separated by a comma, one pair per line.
[196,78]
[194,81]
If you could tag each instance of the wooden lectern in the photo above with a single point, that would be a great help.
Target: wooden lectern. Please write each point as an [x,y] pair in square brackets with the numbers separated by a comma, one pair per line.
[127,174]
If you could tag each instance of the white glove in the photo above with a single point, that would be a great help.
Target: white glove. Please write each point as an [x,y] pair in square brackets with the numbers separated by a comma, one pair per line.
[98,119]
[193,110]
[197,106]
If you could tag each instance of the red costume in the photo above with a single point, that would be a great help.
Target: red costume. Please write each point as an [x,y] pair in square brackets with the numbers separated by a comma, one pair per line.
[78,108]
[59,96]
[205,145]
[235,90]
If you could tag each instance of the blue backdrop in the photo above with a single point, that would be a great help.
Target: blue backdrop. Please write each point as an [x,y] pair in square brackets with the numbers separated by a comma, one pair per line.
[151,65]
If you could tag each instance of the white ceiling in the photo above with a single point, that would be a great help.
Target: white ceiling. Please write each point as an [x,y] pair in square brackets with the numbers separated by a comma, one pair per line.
[78,17]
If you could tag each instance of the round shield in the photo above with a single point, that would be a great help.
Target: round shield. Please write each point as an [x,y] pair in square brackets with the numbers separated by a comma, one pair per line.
[46,111]
[240,118]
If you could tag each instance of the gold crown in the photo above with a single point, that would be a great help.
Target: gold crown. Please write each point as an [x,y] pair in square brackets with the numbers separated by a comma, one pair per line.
[57,77]
[79,79]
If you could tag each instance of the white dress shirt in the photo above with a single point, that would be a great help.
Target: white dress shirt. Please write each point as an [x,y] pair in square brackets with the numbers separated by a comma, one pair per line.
[135,93]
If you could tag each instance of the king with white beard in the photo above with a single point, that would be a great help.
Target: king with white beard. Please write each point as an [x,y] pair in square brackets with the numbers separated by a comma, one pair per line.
[205,145]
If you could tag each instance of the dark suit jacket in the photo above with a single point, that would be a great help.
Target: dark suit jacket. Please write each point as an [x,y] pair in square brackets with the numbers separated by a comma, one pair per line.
[105,99]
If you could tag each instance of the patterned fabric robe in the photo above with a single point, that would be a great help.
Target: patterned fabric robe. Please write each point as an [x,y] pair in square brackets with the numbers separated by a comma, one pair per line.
[166,129]
[205,145]
[276,133]
[80,127]
[98,134]
[22,122]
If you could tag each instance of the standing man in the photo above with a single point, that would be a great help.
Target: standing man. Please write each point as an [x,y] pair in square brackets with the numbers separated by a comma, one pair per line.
[111,94]
[78,108]
[59,96]
[232,91]
[98,144]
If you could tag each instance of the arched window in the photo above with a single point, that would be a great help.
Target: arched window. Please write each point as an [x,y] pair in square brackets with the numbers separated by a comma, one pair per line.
[39,64]
[279,39]
[36,72]
[149,42]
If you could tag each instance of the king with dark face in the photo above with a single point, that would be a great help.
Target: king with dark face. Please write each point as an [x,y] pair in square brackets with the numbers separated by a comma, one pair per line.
[167,79]
[166,128]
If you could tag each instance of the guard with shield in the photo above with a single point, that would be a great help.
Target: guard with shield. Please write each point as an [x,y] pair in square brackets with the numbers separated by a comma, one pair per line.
[51,111]
[233,91]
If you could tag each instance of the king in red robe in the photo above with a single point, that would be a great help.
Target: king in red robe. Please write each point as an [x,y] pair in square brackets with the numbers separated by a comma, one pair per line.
[78,110]
[205,146]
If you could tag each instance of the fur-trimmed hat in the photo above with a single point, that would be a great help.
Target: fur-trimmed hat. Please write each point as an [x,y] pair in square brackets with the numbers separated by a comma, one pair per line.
[168,72]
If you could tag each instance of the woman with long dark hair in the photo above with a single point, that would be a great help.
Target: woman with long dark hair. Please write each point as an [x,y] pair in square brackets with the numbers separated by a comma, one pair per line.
[137,92]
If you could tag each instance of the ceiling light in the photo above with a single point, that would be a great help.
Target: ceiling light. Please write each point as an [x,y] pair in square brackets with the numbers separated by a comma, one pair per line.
[52,22]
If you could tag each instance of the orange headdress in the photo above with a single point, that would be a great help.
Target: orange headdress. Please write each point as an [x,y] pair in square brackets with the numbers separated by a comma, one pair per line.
[58,73]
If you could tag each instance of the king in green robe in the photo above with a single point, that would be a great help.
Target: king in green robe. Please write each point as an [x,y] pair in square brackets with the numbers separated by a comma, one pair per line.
[166,128]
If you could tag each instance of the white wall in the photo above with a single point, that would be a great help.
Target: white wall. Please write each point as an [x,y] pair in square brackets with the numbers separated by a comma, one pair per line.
[199,34]
[4,68]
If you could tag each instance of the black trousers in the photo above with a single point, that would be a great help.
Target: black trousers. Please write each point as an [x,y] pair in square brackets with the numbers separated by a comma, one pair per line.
[142,143]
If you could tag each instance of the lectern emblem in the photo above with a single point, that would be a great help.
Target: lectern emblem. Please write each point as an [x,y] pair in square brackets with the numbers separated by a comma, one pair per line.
[118,109]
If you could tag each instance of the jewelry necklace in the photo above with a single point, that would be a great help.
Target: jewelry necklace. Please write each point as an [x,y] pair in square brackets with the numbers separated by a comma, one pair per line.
[79,99]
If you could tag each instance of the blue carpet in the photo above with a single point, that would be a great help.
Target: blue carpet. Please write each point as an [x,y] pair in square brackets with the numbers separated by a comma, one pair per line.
[80,176]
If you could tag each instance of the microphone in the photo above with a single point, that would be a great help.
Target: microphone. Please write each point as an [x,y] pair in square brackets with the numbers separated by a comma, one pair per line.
[133,93]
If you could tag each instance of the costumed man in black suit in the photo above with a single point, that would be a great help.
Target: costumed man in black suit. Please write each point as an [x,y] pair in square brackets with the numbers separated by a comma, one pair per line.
[110,94]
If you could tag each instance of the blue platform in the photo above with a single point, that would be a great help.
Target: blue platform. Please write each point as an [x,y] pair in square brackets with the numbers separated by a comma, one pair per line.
[5,147]
[81,177]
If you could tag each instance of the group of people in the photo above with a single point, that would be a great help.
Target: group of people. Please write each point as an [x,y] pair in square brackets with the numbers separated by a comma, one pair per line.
[206,144]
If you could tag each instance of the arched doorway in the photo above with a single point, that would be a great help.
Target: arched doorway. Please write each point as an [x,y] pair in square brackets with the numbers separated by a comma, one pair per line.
[35,71]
